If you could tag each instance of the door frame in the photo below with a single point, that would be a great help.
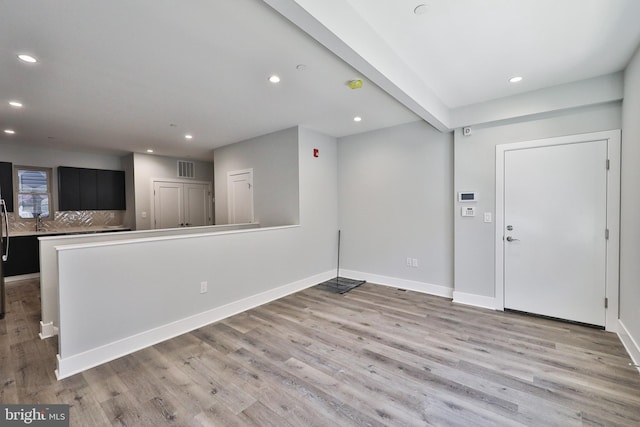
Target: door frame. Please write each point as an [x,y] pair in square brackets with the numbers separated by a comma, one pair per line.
[613,214]
[152,207]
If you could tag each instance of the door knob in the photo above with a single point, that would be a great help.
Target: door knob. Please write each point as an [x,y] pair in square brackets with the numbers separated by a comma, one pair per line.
[511,239]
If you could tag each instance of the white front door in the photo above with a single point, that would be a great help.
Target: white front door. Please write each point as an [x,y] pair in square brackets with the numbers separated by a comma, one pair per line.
[168,205]
[240,196]
[555,217]
[196,200]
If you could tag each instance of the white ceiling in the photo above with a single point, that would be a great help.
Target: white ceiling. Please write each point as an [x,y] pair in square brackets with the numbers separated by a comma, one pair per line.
[114,75]
[466,50]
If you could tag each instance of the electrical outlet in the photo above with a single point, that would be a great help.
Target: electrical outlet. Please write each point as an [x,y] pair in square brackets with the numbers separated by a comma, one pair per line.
[408,262]
[203,287]
[414,262]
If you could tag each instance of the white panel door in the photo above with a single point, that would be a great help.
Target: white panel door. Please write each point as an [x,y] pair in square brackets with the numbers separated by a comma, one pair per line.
[555,204]
[168,205]
[240,196]
[196,201]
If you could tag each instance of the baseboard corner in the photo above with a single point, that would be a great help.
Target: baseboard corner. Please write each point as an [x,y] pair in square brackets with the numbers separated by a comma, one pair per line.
[630,344]
[479,301]
[47,330]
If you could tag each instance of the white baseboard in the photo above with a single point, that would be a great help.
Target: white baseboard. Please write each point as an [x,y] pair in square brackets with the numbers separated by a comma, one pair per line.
[80,362]
[21,277]
[629,343]
[411,285]
[47,330]
[474,300]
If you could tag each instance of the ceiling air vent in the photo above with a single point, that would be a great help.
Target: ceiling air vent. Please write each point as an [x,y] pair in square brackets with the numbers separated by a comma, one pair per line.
[186,169]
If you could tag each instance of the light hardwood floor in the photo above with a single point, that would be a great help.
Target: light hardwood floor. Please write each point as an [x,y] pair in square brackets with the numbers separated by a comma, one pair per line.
[375,356]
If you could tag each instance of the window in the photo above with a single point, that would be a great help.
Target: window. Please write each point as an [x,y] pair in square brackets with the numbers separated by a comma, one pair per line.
[33,192]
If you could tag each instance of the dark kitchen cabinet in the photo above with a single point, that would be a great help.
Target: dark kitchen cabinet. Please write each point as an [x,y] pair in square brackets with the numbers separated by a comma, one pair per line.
[88,190]
[6,184]
[68,189]
[81,189]
[111,193]
[24,256]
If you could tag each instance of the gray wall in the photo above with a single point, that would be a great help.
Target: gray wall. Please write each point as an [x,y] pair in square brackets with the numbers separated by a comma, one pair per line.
[147,168]
[629,225]
[395,202]
[51,158]
[274,160]
[130,189]
[475,171]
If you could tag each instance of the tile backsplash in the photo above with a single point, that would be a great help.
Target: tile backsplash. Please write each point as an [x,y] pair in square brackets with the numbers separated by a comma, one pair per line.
[68,220]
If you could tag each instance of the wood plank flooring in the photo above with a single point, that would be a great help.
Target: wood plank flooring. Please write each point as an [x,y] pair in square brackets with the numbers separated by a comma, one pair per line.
[377,356]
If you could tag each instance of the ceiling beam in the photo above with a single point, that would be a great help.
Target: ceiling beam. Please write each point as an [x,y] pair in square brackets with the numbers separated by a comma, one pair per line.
[355,42]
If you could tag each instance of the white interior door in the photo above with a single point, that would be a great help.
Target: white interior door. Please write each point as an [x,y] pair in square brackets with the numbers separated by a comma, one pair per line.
[555,217]
[196,202]
[240,196]
[168,205]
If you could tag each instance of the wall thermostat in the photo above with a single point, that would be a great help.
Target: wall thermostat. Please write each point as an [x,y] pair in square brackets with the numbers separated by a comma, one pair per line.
[468,211]
[467,196]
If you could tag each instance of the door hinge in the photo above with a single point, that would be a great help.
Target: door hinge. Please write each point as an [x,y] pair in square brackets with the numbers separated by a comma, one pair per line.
[608,164]
[606,234]
[606,303]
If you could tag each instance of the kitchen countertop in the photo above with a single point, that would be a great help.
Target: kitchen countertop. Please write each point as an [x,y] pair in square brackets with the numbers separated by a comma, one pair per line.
[69,230]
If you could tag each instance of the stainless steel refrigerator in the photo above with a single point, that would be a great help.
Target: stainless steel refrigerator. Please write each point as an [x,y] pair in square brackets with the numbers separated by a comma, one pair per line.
[4,244]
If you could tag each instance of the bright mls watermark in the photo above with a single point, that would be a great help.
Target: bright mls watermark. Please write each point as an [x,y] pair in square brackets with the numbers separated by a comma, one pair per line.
[34,415]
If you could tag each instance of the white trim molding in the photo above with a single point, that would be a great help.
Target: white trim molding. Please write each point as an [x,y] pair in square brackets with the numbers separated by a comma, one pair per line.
[629,343]
[47,330]
[613,215]
[29,276]
[394,282]
[81,362]
[480,301]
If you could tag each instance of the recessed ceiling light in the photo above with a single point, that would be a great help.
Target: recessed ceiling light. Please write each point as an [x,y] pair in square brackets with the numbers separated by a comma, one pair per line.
[357,119]
[149,150]
[9,131]
[188,136]
[274,79]
[420,9]
[27,58]
[515,79]
[15,104]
